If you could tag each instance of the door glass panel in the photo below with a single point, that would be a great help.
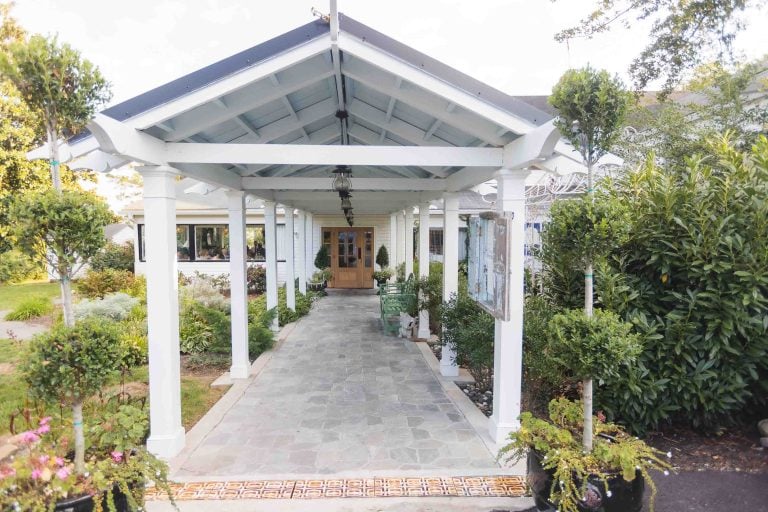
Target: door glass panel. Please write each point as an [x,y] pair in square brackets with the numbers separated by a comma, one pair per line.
[351,249]
[368,249]
[342,249]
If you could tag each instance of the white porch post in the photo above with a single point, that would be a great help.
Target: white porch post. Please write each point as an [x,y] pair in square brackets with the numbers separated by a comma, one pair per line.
[424,263]
[448,366]
[290,275]
[508,335]
[270,241]
[309,233]
[238,286]
[400,239]
[393,245]
[166,437]
[408,241]
[301,255]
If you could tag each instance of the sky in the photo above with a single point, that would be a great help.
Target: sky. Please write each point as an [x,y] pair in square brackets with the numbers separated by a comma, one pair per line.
[509,44]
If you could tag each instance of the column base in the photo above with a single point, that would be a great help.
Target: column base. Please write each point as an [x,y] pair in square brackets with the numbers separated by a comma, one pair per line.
[424,333]
[423,325]
[449,370]
[166,446]
[500,430]
[239,372]
[275,326]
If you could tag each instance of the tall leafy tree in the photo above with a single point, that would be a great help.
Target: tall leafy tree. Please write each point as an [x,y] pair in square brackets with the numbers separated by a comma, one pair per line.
[591,108]
[683,34]
[62,89]
[717,100]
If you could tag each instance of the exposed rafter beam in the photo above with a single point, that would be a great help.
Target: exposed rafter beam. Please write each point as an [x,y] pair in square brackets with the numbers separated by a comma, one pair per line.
[422,100]
[216,175]
[395,126]
[253,96]
[247,125]
[359,184]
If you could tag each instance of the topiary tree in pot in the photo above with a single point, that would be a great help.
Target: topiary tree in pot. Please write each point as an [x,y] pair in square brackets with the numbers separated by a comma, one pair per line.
[69,364]
[563,472]
[323,262]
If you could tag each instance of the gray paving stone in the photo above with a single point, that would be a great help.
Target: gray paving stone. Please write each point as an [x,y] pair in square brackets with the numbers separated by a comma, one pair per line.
[338,396]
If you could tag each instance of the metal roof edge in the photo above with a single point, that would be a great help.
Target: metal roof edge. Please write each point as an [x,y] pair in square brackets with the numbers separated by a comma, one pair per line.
[213,72]
[450,75]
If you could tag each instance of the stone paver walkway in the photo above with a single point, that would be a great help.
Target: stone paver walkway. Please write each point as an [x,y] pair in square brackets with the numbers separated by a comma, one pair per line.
[339,396]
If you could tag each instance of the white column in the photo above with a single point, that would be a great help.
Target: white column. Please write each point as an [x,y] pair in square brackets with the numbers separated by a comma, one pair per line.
[309,233]
[301,254]
[448,366]
[400,258]
[424,264]
[290,275]
[238,286]
[270,242]
[166,435]
[393,245]
[408,241]
[508,335]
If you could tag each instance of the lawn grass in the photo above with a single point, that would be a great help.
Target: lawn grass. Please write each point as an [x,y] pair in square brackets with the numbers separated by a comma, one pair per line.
[11,295]
[197,396]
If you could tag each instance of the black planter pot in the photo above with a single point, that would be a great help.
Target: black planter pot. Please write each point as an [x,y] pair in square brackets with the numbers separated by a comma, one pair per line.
[625,496]
[86,503]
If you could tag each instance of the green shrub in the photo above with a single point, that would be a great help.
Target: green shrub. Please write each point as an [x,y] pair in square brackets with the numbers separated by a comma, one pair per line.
[138,289]
[98,283]
[322,258]
[693,278]
[121,429]
[202,327]
[256,278]
[591,348]
[115,306]
[382,257]
[34,307]
[16,266]
[431,294]
[470,330]
[115,257]
[543,378]
[201,289]
[133,337]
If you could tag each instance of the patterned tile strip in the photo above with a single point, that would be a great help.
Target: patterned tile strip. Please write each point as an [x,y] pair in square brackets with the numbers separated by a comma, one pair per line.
[486,486]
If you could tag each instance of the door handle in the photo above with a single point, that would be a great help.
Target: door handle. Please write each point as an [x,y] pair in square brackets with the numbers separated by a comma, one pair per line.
[359,253]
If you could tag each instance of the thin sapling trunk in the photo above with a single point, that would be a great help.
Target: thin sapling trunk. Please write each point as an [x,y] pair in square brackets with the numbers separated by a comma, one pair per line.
[588,304]
[77,422]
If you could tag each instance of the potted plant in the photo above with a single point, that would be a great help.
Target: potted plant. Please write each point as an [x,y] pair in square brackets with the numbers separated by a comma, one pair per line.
[572,468]
[66,366]
[382,276]
[323,262]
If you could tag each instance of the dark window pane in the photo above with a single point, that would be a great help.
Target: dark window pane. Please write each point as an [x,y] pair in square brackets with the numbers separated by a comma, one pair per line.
[254,242]
[211,243]
[182,243]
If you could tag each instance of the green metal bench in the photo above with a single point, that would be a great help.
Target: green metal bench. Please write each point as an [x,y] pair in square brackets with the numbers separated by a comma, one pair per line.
[396,298]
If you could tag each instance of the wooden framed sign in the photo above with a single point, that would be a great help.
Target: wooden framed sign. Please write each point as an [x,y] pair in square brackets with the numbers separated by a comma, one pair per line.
[488,260]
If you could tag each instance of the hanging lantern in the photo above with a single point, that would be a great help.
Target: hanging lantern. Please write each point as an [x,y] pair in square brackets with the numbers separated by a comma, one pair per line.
[341,179]
[346,204]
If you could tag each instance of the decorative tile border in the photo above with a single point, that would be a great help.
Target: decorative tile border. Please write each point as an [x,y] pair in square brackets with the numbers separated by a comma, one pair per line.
[482,486]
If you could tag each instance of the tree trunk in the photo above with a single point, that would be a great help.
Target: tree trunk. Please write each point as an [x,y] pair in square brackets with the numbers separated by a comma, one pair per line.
[66,297]
[53,146]
[588,303]
[77,421]
[587,396]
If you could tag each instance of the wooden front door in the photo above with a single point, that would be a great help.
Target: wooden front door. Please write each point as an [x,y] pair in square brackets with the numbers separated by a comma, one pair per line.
[351,256]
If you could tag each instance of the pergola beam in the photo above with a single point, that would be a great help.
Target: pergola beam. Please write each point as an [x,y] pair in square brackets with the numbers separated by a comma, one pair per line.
[292,154]
[358,184]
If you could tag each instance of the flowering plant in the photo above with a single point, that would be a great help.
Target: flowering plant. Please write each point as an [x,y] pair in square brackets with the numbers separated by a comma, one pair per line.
[40,475]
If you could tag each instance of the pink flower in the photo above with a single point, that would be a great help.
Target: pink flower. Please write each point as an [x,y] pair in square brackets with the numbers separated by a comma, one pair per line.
[42,429]
[36,474]
[62,473]
[43,459]
[59,461]
[6,471]
[117,456]
[29,437]
[45,421]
